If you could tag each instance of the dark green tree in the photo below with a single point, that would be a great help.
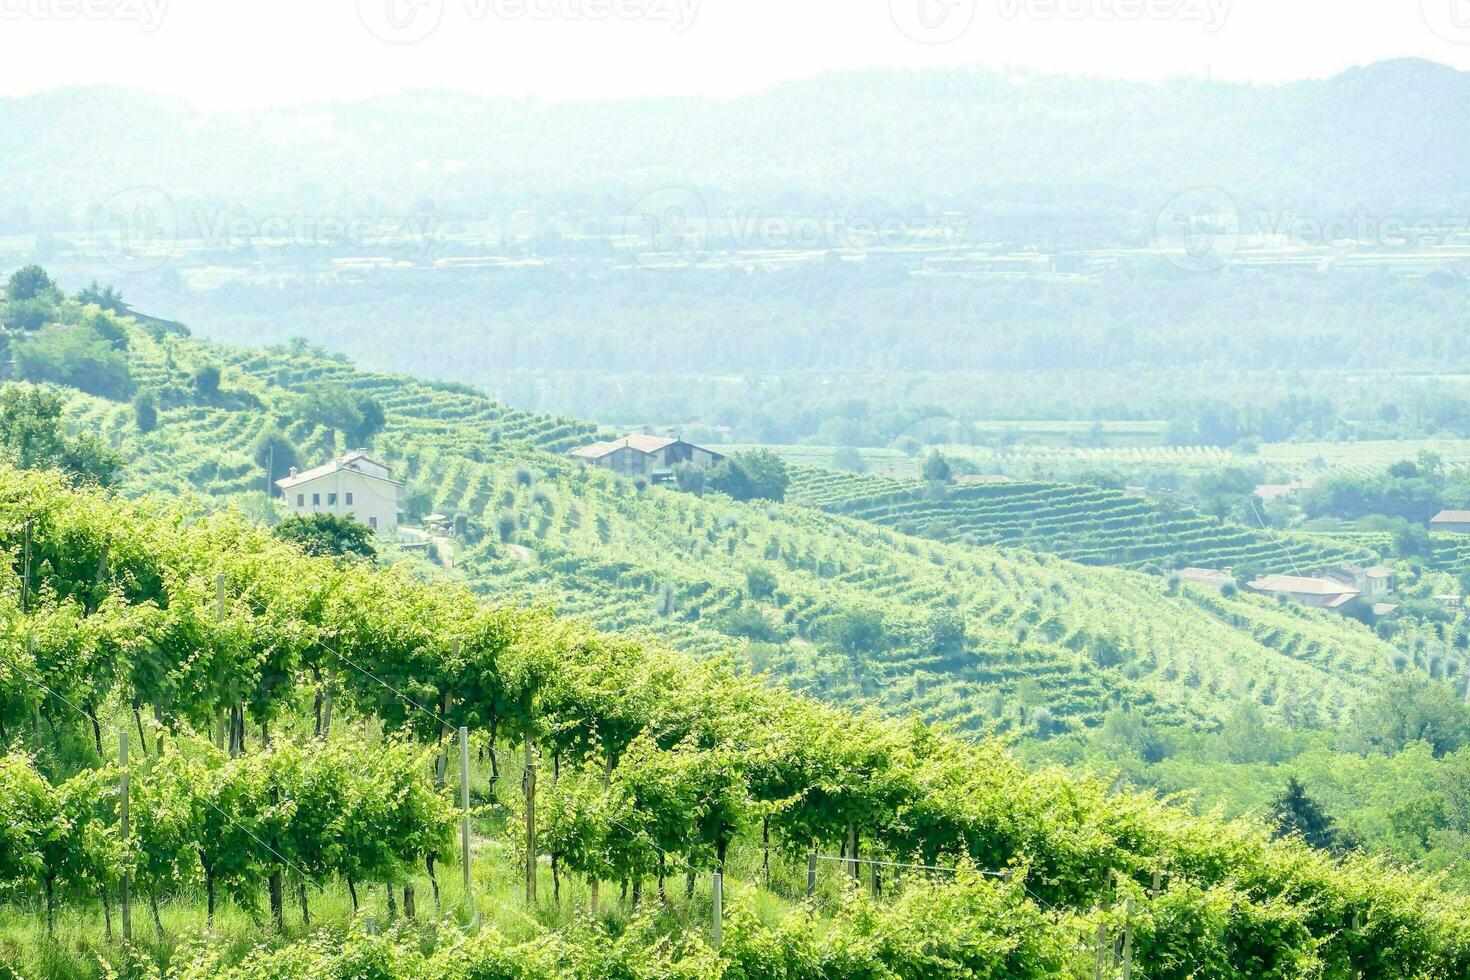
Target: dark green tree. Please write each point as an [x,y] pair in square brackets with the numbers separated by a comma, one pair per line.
[756,475]
[328,536]
[858,631]
[104,296]
[30,282]
[272,449]
[759,582]
[75,356]
[206,381]
[848,458]
[1295,814]
[145,410]
[1411,710]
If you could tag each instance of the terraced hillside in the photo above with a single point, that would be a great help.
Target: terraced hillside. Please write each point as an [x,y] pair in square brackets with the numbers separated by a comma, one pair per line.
[829,603]
[1087,524]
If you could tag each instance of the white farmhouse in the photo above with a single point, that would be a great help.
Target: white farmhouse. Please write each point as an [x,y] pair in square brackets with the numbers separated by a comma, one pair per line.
[354,485]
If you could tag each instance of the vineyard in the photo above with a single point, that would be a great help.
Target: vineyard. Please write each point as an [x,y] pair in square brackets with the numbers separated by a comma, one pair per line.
[1040,457]
[638,770]
[978,638]
[1086,524]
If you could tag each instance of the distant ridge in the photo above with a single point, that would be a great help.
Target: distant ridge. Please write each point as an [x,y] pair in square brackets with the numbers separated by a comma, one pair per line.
[1386,135]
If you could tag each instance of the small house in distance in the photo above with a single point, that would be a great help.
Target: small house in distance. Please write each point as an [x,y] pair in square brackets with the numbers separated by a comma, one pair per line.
[1372,582]
[354,485]
[1211,577]
[645,455]
[1268,492]
[1456,521]
[1321,593]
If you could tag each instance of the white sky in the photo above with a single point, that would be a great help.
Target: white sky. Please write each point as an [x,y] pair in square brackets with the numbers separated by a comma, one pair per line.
[247,52]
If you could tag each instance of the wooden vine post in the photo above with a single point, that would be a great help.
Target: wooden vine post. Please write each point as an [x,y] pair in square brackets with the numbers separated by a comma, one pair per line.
[36,708]
[464,803]
[225,732]
[718,909]
[528,783]
[1128,939]
[124,831]
[25,571]
[811,874]
[852,850]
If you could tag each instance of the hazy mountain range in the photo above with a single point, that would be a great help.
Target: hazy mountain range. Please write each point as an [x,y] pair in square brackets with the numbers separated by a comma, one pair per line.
[1393,136]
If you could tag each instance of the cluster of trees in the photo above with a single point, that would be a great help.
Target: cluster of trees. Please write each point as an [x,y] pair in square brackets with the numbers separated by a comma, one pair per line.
[1411,490]
[1217,423]
[328,535]
[661,762]
[357,415]
[1393,780]
[758,474]
[33,436]
[72,344]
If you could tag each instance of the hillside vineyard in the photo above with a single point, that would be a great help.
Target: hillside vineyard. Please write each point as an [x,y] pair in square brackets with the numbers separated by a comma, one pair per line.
[660,765]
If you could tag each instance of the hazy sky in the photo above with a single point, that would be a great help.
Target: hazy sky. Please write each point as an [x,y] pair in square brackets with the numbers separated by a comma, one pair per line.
[241,52]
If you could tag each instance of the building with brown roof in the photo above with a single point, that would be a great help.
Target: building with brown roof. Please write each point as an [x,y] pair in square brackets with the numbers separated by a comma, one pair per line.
[1320,593]
[645,455]
[1457,521]
[1211,577]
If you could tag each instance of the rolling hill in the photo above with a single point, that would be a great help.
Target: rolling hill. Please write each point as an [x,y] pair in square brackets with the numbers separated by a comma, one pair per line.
[975,636]
[1083,523]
